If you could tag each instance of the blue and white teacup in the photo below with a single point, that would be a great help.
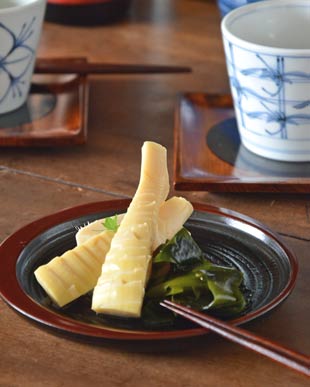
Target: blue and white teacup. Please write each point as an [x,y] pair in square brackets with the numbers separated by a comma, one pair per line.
[20,30]
[267,47]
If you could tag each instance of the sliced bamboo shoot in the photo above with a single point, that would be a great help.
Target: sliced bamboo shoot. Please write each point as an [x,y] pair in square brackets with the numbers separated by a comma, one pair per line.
[75,273]
[58,277]
[120,290]
[173,213]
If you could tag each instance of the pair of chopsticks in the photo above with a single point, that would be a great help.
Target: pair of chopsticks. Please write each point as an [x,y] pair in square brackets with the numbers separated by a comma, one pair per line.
[83,67]
[272,350]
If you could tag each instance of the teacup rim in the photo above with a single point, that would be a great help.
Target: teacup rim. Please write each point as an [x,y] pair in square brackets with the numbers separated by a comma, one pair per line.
[249,8]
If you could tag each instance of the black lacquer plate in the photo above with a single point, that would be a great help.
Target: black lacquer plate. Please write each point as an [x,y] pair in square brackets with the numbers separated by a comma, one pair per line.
[226,237]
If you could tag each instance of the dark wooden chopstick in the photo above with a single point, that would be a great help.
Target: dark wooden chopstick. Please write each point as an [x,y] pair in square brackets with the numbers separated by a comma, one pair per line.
[274,351]
[72,66]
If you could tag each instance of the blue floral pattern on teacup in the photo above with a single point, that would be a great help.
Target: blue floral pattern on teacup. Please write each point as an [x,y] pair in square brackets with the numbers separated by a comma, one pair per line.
[16,57]
[270,98]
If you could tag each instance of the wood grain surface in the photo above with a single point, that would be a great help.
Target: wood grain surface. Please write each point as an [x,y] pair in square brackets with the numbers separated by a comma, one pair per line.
[124,111]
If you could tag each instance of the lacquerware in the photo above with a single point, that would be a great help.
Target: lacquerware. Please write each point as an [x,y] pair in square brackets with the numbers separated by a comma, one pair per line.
[226,237]
[209,155]
[86,12]
[55,113]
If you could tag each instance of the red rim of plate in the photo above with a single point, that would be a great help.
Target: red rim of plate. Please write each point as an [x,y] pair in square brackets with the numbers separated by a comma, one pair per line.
[14,295]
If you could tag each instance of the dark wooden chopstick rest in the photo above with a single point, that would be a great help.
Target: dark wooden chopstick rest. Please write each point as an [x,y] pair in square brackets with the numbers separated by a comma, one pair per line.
[294,360]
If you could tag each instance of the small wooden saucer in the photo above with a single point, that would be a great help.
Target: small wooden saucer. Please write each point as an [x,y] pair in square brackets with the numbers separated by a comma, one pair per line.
[208,154]
[55,113]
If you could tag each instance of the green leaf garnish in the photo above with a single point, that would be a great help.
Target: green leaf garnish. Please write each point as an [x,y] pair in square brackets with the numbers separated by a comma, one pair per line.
[111,223]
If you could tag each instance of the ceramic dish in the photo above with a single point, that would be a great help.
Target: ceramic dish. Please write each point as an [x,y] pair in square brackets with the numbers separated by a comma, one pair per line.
[228,238]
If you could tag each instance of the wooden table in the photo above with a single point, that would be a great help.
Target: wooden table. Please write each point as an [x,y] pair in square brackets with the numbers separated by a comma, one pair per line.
[123,112]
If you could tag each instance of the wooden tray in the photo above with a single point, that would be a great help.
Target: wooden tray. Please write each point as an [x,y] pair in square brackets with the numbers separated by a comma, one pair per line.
[54,114]
[208,155]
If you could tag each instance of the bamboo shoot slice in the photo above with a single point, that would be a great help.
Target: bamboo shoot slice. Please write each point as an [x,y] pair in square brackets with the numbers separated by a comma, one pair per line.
[63,287]
[114,295]
[75,273]
[173,213]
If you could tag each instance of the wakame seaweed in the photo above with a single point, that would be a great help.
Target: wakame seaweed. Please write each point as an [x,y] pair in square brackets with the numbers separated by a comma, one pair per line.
[180,272]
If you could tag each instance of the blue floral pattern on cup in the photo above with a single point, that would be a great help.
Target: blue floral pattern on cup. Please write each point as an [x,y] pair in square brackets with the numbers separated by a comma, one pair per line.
[16,57]
[269,98]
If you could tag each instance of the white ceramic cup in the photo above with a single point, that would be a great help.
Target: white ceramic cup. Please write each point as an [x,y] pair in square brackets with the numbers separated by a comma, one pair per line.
[20,30]
[267,48]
